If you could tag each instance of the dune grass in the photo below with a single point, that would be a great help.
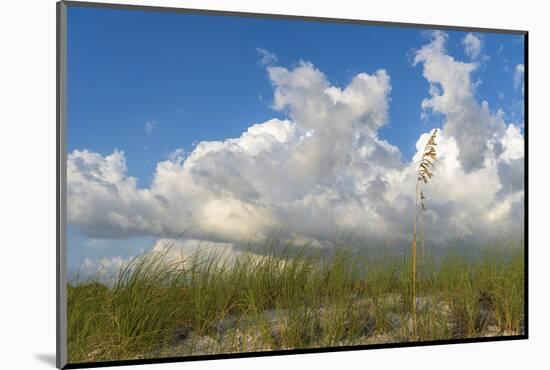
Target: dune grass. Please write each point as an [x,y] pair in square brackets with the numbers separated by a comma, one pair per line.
[290,297]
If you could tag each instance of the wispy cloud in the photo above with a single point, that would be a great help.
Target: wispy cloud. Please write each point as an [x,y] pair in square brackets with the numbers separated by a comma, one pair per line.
[473,48]
[267,57]
[472,45]
[150,127]
[518,76]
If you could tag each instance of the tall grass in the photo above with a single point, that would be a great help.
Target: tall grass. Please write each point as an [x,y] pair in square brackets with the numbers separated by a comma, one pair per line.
[289,297]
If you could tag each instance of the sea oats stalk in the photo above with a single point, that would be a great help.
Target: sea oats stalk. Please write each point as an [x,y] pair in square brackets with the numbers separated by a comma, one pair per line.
[424,174]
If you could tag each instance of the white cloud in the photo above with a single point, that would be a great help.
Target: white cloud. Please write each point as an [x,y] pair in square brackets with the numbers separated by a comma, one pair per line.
[104,268]
[477,145]
[267,57]
[469,122]
[150,127]
[472,45]
[518,76]
[171,253]
[104,201]
[177,250]
[324,167]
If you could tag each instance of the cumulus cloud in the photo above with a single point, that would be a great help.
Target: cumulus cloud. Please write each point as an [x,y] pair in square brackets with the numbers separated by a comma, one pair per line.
[104,202]
[452,94]
[482,156]
[322,167]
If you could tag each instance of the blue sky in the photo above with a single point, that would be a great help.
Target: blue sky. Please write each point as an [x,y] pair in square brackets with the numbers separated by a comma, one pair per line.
[192,78]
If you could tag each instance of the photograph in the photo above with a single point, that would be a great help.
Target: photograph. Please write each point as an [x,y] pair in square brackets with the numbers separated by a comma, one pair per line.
[239,183]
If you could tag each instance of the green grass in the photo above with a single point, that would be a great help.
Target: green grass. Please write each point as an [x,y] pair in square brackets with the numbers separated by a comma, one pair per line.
[290,297]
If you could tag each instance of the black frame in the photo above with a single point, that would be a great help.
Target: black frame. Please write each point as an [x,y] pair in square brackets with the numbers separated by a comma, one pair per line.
[61,300]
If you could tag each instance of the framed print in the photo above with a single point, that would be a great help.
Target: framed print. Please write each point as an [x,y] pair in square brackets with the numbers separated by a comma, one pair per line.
[235,184]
